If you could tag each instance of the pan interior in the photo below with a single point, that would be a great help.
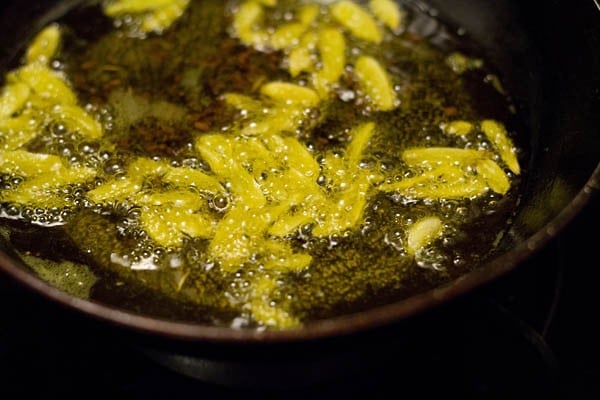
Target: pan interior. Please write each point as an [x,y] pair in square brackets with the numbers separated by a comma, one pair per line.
[497,90]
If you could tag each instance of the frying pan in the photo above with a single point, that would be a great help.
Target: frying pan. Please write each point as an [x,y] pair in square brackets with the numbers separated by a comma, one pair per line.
[549,54]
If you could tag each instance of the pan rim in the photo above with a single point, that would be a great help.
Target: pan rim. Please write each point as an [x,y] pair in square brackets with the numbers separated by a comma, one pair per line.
[336,326]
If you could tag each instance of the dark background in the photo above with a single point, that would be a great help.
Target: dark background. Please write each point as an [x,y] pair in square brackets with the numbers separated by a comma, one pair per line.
[533,332]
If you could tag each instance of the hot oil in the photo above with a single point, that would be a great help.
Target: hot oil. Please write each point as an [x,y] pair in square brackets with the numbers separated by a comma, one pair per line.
[154,95]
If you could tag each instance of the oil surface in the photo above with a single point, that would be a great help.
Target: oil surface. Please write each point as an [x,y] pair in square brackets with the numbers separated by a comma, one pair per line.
[154,96]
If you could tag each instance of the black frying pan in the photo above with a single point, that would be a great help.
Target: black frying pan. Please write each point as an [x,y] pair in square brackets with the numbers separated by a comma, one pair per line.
[549,54]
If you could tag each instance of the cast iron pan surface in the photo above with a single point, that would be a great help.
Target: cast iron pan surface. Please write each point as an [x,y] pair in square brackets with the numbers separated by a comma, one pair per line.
[549,52]
[527,335]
